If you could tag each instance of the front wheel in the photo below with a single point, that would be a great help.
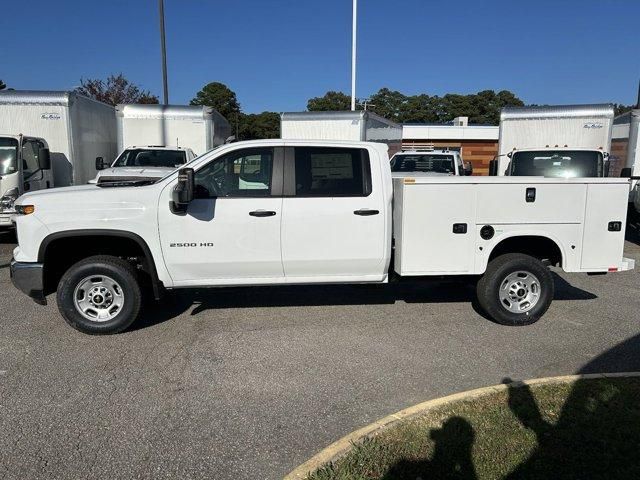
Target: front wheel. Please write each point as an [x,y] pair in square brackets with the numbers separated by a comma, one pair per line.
[516,289]
[99,295]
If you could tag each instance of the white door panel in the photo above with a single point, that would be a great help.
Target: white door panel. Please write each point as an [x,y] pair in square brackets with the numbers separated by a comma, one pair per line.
[231,231]
[217,238]
[323,236]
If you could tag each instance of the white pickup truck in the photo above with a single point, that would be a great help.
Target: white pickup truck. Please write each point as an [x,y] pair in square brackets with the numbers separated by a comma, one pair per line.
[275,212]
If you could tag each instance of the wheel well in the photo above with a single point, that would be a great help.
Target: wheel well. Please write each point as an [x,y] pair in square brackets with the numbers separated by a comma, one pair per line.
[542,248]
[61,251]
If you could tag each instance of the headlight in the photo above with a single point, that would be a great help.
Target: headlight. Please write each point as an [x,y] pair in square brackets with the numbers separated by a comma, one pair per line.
[8,199]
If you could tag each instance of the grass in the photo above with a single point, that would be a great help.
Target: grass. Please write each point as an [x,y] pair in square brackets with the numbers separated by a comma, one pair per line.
[588,429]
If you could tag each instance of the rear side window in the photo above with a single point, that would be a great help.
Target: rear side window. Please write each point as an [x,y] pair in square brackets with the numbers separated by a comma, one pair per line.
[332,172]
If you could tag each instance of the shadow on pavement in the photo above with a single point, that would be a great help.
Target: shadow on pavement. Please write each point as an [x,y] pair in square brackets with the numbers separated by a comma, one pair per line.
[423,291]
[596,434]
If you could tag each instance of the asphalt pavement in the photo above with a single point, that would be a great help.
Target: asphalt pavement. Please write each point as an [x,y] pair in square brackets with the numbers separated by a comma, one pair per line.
[249,383]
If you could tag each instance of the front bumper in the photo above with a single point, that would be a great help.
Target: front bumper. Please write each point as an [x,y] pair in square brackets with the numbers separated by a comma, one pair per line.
[29,278]
[6,220]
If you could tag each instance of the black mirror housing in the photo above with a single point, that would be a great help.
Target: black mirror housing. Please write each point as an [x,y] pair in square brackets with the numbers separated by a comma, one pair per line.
[625,172]
[468,168]
[44,159]
[183,192]
[101,164]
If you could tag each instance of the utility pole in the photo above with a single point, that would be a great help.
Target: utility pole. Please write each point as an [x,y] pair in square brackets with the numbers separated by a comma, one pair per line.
[163,46]
[353,54]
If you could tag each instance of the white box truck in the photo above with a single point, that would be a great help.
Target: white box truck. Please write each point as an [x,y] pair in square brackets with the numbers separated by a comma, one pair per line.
[77,129]
[199,128]
[360,125]
[275,212]
[626,141]
[554,141]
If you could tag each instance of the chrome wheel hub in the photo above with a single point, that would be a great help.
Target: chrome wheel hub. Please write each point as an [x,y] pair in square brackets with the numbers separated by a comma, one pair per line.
[519,292]
[98,298]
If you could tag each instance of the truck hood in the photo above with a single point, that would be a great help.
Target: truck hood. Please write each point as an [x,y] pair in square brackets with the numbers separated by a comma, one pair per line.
[90,206]
[133,172]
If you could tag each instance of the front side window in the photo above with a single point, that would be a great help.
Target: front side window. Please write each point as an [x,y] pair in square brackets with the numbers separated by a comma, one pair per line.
[567,163]
[8,156]
[30,150]
[151,158]
[243,173]
[332,172]
[423,163]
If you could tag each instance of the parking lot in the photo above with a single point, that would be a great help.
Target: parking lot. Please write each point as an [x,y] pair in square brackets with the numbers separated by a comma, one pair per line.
[248,383]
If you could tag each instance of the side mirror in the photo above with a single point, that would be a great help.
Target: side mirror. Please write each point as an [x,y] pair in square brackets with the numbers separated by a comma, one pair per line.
[606,166]
[468,168]
[184,190]
[625,172]
[44,159]
[493,168]
[101,164]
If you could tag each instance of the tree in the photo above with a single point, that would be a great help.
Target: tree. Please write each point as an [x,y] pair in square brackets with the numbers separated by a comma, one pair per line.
[2,85]
[618,108]
[331,101]
[389,104]
[259,125]
[217,95]
[114,90]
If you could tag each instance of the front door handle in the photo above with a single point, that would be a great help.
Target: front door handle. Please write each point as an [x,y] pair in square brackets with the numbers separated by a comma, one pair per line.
[365,212]
[262,213]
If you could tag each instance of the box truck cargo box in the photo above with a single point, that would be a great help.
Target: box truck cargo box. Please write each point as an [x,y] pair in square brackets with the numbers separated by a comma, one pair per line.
[77,129]
[360,125]
[555,141]
[199,128]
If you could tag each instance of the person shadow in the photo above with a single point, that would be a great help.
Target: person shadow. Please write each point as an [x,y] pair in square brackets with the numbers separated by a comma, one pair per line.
[585,441]
[451,456]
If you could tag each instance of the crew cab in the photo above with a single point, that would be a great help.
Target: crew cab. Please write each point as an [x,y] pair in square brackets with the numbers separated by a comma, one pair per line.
[429,162]
[273,212]
[142,162]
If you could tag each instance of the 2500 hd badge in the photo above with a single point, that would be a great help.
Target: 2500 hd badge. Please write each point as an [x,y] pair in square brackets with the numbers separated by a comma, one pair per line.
[192,244]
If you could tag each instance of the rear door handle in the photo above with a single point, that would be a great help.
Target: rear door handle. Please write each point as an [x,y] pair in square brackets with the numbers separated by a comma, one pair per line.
[365,212]
[262,213]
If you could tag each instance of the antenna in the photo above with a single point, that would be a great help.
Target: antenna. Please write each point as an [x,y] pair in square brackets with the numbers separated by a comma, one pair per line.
[638,101]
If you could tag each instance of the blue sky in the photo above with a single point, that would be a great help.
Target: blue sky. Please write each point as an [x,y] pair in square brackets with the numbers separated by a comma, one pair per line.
[275,54]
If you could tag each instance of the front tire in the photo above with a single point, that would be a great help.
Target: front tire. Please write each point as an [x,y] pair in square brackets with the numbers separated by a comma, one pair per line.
[99,295]
[516,289]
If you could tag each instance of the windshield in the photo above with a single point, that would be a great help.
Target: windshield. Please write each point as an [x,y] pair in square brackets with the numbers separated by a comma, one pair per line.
[8,155]
[423,163]
[565,163]
[139,157]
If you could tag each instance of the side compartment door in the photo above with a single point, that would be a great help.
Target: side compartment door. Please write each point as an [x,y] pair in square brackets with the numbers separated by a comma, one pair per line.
[230,233]
[333,221]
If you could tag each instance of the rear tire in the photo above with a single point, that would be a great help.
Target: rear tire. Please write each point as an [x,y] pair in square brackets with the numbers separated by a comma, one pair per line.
[516,289]
[99,295]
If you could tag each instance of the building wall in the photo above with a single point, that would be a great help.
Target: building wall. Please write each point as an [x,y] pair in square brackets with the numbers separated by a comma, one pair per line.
[478,152]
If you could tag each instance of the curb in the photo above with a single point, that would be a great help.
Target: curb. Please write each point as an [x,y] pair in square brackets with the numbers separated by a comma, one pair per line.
[345,444]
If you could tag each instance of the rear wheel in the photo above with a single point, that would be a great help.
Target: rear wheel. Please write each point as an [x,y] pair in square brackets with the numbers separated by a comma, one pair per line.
[99,295]
[516,289]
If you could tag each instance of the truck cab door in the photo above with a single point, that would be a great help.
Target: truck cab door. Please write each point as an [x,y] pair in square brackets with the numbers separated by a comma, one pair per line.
[230,233]
[33,177]
[335,223]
